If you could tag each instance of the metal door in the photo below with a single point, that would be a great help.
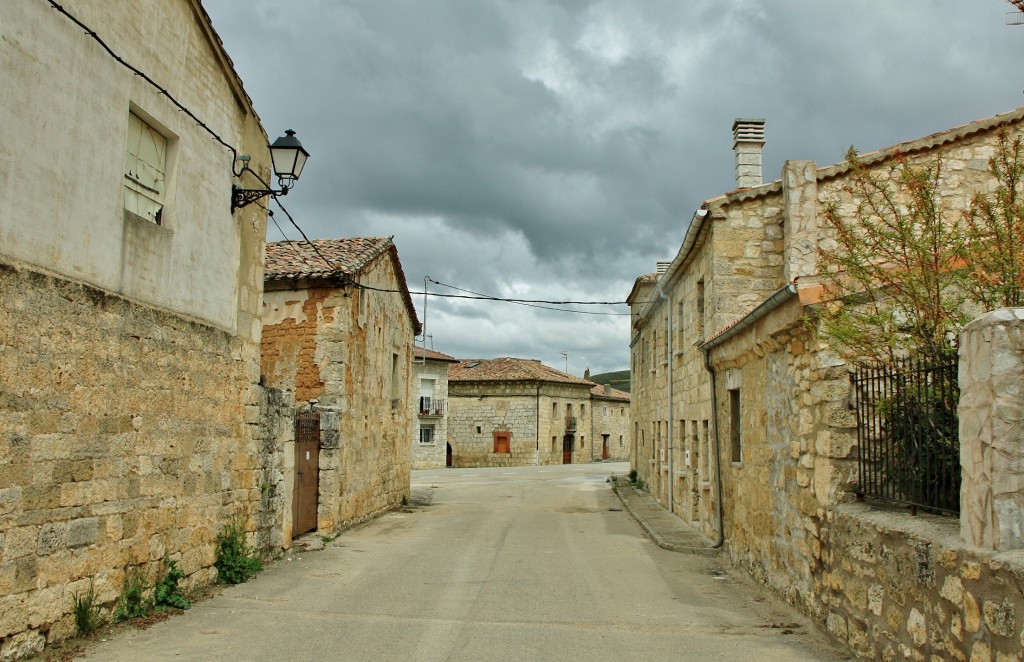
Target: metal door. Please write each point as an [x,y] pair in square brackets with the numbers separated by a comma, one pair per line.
[307,472]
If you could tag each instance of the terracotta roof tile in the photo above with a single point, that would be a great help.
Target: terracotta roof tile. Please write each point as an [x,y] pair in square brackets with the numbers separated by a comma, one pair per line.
[608,393]
[297,259]
[509,370]
[347,256]
[424,353]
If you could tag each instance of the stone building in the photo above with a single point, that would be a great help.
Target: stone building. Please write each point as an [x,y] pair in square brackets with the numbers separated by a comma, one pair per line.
[742,419]
[509,412]
[338,328]
[430,447]
[130,424]
[609,424]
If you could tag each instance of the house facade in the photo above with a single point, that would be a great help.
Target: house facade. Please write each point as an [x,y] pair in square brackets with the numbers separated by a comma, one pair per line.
[130,424]
[743,420]
[509,412]
[338,328]
[609,423]
[430,447]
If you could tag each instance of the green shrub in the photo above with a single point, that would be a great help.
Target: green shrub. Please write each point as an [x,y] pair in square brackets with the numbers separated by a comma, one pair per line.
[87,613]
[236,562]
[133,602]
[167,594]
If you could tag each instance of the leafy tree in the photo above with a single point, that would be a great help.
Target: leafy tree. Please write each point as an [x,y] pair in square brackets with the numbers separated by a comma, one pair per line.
[891,279]
[994,225]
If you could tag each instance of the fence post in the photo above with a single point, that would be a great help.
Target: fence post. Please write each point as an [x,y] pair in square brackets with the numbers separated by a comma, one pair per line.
[992,430]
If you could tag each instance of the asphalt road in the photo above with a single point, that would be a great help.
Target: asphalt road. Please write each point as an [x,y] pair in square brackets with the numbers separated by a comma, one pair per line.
[535,563]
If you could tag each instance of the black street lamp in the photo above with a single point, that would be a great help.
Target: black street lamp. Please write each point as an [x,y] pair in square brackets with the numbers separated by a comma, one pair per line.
[288,156]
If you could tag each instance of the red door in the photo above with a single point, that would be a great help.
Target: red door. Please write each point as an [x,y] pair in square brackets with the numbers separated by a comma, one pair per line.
[604,448]
[567,449]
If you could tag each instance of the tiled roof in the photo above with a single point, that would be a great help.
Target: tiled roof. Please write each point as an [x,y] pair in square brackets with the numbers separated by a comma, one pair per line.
[608,393]
[347,256]
[424,353]
[646,279]
[510,370]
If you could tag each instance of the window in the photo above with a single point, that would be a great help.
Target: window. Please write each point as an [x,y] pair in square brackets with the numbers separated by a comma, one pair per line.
[620,441]
[426,434]
[427,404]
[735,421]
[681,323]
[396,381]
[145,171]
[606,410]
[554,444]
[706,451]
[554,410]
[502,441]
[698,331]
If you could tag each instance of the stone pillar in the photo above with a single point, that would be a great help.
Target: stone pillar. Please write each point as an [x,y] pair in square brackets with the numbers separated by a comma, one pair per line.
[991,414]
[800,213]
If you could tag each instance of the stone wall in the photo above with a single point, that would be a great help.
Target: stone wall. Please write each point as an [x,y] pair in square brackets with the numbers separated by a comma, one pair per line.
[614,424]
[897,587]
[478,409]
[126,434]
[351,350]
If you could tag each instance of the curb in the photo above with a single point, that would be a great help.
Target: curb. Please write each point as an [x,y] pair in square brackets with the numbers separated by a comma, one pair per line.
[619,487]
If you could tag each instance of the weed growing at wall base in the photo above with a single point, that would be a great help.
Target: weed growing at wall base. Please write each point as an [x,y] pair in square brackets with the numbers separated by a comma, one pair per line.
[167,594]
[236,562]
[133,602]
[87,612]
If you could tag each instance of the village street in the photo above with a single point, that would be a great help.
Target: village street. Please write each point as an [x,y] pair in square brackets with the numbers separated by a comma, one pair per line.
[537,563]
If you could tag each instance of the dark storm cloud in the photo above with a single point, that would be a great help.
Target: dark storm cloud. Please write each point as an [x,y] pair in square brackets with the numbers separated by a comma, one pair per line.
[557,149]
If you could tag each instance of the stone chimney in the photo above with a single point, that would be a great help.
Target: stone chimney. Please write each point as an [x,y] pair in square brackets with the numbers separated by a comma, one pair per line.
[748,139]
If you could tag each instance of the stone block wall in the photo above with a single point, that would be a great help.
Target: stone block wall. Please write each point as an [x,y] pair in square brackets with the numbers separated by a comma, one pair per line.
[895,587]
[615,424]
[534,413]
[126,434]
[472,423]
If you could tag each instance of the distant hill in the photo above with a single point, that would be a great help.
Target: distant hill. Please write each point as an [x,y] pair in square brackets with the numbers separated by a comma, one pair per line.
[619,380]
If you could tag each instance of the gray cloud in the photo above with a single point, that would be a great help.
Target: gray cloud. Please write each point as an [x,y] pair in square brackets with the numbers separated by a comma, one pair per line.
[557,149]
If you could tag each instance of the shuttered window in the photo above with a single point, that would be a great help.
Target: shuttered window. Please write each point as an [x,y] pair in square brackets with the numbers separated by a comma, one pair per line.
[145,168]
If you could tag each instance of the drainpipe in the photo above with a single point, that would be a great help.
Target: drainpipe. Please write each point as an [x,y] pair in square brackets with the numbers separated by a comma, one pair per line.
[668,350]
[718,449]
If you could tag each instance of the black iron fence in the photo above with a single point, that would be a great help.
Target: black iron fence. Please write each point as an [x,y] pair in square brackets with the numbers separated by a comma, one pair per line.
[908,433]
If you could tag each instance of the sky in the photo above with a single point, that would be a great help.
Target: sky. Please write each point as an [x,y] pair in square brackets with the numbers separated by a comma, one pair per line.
[557,149]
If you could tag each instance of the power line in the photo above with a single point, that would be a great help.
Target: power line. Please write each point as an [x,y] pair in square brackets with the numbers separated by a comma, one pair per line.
[141,74]
[531,305]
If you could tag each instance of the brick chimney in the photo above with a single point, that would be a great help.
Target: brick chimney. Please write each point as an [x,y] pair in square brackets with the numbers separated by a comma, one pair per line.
[748,139]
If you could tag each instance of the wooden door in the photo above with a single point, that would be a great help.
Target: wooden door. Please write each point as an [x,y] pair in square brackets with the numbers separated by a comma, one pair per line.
[604,448]
[567,449]
[307,472]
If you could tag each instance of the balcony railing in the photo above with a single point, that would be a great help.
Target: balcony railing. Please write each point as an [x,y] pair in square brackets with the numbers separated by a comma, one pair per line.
[570,423]
[432,407]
